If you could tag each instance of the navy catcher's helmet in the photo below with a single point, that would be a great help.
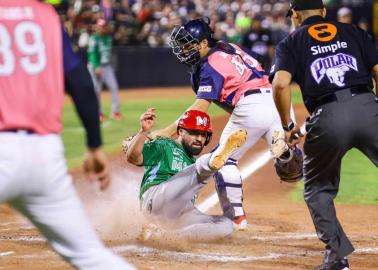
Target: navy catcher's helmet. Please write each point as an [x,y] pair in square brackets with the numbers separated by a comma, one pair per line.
[183,40]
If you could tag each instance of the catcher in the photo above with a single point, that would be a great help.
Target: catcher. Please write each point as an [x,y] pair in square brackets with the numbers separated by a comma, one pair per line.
[173,177]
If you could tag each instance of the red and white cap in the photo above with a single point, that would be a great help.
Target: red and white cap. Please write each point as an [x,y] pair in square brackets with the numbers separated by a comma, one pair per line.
[195,120]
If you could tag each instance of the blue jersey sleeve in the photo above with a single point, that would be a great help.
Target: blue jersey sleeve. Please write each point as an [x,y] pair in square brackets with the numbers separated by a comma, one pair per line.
[210,83]
[70,59]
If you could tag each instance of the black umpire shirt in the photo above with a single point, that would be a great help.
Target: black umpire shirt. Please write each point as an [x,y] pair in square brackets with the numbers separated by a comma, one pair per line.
[324,57]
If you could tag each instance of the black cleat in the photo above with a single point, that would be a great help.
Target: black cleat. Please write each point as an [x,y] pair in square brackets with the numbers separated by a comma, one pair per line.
[334,265]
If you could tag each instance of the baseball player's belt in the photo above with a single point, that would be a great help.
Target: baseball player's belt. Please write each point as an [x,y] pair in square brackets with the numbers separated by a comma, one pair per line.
[28,131]
[332,96]
[252,92]
[255,91]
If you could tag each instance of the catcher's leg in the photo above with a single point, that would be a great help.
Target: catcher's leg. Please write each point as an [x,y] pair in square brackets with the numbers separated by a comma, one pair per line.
[252,114]
[49,200]
[230,193]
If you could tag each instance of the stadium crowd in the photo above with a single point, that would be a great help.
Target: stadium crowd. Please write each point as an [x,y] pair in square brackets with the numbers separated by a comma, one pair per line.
[149,22]
[258,25]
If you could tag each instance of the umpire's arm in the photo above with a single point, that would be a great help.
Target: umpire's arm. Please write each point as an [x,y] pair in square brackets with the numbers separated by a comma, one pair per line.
[281,77]
[282,95]
[375,77]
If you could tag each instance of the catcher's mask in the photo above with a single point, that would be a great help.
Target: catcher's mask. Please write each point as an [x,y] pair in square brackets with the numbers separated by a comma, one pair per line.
[184,40]
[196,120]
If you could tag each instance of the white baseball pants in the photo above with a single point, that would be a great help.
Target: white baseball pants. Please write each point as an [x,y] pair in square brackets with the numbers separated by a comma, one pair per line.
[257,114]
[169,203]
[34,180]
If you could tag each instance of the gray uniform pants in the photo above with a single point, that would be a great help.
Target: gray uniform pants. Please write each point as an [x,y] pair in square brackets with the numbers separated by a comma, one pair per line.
[170,204]
[333,129]
[107,77]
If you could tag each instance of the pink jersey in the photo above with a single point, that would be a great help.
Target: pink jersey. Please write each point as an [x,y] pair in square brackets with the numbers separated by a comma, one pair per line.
[224,77]
[31,67]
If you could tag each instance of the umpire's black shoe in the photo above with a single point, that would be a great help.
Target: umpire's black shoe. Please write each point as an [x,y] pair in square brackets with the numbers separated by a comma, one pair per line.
[335,265]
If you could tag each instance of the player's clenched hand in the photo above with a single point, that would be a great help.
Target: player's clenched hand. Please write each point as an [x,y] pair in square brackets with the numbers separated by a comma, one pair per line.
[96,165]
[147,119]
[294,136]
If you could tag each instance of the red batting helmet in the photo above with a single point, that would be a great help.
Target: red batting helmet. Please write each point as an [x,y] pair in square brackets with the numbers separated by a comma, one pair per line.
[196,120]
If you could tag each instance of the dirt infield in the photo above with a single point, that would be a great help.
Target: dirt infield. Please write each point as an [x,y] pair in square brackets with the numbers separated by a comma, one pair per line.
[280,234]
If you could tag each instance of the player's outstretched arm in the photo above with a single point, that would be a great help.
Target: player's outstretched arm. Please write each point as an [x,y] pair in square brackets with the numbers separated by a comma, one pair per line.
[171,130]
[135,150]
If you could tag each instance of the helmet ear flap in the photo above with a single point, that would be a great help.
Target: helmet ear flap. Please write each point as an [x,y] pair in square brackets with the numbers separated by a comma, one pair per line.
[208,138]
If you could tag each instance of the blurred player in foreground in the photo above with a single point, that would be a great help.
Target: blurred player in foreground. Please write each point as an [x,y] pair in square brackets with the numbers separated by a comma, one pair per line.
[33,171]
[173,177]
[231,77]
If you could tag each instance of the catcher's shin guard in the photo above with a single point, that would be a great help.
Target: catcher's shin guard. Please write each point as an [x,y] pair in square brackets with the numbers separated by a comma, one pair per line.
[228,183]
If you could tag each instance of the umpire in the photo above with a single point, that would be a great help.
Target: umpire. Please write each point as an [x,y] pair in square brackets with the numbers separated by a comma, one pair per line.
[333,63]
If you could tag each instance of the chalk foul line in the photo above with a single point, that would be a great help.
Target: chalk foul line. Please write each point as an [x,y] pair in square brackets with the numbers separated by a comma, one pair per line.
[215,257]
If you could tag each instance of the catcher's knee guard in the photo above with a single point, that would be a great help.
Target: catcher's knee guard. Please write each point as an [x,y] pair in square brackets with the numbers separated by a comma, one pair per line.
[289,166]
[228,183]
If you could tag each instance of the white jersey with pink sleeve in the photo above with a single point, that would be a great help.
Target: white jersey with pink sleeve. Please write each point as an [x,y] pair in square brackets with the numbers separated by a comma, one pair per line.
[31,67]
[226,74]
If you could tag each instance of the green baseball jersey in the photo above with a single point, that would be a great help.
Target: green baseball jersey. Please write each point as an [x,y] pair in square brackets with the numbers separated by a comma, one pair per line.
[99,49]
[162,159]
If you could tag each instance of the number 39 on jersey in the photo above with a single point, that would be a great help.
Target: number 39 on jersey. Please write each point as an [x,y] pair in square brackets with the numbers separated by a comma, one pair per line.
[23,46]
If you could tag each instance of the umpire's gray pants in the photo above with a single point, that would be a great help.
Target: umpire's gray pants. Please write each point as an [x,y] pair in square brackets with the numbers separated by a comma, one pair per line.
[333,129]
[170,203]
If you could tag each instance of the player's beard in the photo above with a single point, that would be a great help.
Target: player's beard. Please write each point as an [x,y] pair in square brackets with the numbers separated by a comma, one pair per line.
[192,150]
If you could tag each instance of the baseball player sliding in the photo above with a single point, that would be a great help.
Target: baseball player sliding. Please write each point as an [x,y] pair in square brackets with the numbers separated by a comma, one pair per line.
[36,61]
[232,78]
[173,177]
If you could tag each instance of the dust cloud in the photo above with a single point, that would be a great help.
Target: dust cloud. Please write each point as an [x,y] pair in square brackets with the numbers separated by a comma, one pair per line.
[115,213]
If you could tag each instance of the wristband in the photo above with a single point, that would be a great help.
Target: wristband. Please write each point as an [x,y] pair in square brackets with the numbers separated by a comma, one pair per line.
[289,126]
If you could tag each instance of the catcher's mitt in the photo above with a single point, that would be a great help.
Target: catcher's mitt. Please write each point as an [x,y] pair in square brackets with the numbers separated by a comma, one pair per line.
[278,146]
[290,168]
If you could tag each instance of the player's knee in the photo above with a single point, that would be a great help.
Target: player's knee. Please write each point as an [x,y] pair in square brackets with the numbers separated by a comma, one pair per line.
[224,226]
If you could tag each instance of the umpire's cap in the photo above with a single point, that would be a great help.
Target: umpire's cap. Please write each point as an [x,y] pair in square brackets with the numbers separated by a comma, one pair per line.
[304,5]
